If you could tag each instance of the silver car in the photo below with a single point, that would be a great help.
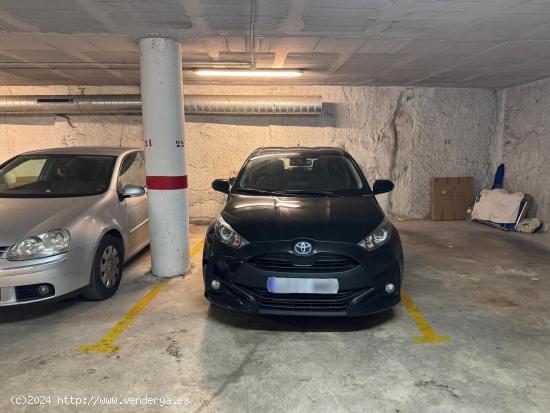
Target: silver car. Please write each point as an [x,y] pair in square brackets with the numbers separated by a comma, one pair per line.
[69,219]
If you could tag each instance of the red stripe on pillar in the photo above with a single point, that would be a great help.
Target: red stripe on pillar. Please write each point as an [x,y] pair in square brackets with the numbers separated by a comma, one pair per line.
[167,182]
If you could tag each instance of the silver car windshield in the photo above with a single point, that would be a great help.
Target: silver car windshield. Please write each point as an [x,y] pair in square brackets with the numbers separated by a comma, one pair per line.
[49,176]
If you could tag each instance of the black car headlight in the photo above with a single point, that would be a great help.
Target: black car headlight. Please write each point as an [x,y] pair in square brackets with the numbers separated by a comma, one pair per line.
[380,236]
[40,246]
[228,235]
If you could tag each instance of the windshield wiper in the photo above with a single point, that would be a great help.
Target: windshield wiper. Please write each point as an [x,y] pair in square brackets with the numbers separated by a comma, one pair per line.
[257,191]
[287,192]
[309,192]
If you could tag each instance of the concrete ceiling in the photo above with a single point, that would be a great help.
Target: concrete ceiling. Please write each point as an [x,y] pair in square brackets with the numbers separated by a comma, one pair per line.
[458,43]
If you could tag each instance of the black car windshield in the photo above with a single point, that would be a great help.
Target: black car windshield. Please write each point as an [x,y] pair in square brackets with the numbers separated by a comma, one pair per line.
[49,176]
[300,173]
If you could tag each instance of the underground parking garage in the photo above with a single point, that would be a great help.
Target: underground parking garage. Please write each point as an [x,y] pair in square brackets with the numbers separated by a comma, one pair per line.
[298,206]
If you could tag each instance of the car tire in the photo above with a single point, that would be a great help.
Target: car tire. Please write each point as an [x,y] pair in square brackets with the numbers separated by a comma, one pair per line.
[106,269]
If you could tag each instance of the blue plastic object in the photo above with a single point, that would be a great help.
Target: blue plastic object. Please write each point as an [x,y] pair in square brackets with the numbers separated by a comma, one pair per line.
[499,177]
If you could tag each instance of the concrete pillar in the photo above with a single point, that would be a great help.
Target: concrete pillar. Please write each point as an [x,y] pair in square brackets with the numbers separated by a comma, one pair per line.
[163,130]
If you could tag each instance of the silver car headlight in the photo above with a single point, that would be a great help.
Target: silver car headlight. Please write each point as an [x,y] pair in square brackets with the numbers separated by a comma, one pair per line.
[228,235]
[44,245]
[380,236]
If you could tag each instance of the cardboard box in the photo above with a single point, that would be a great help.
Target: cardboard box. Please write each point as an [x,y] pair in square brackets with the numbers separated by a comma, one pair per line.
[451,197]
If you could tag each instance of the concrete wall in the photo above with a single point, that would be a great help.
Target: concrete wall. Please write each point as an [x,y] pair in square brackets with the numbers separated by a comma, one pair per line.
[523,143]
[405,134]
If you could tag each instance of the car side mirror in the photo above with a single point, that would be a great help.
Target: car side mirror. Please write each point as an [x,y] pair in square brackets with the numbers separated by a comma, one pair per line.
[232,180]
[131,191]
[221,185]
[381,186]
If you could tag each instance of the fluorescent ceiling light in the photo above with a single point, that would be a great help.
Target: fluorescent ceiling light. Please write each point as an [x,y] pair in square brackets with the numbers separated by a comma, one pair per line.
[247,73]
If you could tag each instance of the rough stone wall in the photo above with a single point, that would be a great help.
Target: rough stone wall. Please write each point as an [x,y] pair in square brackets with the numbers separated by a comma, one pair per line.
[524,143]
[405,134]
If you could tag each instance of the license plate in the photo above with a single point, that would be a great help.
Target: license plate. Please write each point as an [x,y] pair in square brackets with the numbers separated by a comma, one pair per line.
[277,285]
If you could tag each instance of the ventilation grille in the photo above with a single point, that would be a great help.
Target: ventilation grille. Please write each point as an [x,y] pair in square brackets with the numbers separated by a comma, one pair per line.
[30,292]
[338,302]
[290,263]
[4,251]
[54,100]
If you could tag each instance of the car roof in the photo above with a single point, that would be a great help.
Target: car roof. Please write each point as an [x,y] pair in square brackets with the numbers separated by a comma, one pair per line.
[84,150]
[282,149]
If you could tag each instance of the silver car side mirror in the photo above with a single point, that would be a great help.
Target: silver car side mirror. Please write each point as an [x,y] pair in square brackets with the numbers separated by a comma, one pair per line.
[131,191]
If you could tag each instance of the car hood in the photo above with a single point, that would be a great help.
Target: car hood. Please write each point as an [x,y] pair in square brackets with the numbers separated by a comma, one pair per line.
[25,217]
[268,218]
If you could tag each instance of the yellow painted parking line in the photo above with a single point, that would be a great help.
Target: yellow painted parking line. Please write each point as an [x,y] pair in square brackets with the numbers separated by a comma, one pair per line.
[428,333]
[106,343]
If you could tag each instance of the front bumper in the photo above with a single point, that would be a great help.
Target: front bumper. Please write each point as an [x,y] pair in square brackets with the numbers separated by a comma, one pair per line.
[361,287]
[63,274]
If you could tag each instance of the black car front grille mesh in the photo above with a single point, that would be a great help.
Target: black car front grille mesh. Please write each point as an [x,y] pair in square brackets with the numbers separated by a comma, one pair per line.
[288,263]
[3,251]
[31,292]
[302,302]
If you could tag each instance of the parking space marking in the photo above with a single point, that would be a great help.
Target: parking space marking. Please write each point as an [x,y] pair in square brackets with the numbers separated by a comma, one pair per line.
[106,343]
[428,333]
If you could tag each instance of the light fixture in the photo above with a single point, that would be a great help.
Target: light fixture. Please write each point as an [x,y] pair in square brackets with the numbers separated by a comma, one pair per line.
[248,73]
[44,290]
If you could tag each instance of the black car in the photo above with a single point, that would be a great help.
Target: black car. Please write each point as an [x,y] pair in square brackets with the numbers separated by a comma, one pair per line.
[301,233]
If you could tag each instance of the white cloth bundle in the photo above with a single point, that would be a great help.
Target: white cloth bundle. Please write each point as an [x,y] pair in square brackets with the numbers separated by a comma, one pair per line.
[497,205]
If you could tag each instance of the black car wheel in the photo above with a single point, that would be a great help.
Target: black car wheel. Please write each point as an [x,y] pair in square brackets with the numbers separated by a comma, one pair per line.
[106,269]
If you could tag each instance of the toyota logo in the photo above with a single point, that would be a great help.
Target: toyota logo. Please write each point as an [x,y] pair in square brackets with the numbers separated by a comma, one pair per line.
[303,248]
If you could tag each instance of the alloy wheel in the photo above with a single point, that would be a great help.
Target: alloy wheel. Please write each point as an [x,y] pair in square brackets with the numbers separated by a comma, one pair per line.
[109,266]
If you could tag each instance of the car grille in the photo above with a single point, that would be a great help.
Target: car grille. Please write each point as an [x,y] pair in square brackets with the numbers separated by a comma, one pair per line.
[30,292]
[289,263]
[302,302]
[4,251]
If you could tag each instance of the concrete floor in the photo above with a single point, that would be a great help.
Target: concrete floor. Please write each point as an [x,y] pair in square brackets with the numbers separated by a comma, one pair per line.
[485,288]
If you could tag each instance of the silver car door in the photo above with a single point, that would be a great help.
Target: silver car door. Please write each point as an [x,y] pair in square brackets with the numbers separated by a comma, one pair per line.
[132,172]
